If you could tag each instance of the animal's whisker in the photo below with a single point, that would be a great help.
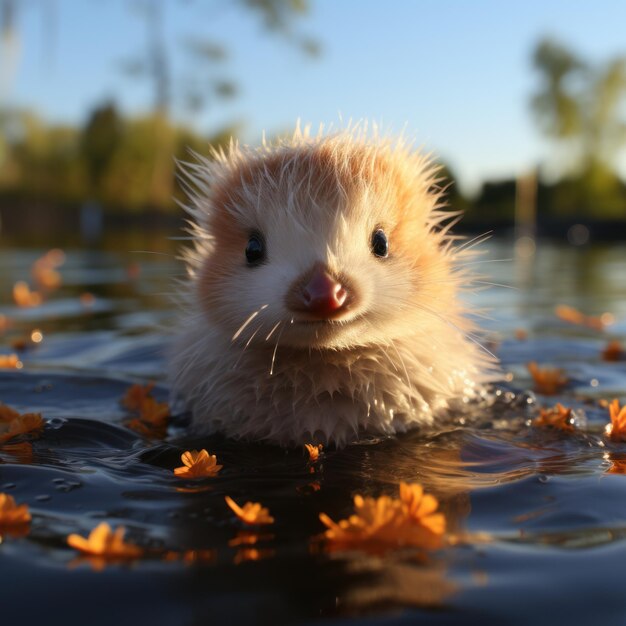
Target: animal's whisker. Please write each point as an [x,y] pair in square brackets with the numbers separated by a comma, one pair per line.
[154,252]
[273,329]
[463,333]
[252,336]
[490,284]
[471,243]
[275,351]
[481,261]
[245,324]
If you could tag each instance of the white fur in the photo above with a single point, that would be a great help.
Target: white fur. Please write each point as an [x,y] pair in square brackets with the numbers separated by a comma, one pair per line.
[246,368]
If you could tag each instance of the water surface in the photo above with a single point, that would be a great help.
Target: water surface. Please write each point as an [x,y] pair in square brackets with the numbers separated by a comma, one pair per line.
[544,511]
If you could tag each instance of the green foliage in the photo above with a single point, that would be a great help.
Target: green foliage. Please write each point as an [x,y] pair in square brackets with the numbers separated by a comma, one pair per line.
[581,104]
[496,201]
[100,140]
[581,107]
[123,163]
[40,160]
[129,163]
[593,194]
[558,103]
[596,192]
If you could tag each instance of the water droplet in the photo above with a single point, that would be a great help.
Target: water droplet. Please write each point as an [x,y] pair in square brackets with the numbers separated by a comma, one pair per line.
[579,418]
[56,422]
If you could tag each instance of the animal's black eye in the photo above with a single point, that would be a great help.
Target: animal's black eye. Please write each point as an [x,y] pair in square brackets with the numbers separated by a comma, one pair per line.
[380,245]
[255,250]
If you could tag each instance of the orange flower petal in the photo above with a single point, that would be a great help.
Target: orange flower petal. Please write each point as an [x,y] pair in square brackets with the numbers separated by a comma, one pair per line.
[251,513]
[191,457]
[10,361]
[20,425]
[135,395]
[559,417]
[384,523]
[7,414]
[154,412]
[12,514]
[547,380]
[435,523]
[103,542]
[248,538]
[24,297]
[198,464]
[613,351]
[428,505]
[573,316]
[616,430]
[153,415]
[314,451]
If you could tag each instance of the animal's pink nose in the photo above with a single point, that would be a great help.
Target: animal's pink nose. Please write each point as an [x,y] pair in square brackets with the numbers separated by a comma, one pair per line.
[323,295]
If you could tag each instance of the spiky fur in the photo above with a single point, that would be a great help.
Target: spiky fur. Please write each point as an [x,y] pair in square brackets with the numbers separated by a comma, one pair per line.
[247,368]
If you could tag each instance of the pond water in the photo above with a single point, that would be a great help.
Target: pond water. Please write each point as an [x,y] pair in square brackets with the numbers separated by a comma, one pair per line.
[540,514]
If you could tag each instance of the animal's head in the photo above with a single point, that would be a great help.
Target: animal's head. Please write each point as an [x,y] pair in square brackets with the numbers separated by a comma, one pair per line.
[326,242]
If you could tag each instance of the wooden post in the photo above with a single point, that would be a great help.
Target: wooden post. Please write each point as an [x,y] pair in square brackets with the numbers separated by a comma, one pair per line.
[526,211]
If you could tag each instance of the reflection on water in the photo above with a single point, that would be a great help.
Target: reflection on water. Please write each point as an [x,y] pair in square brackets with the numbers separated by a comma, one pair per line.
[539,514]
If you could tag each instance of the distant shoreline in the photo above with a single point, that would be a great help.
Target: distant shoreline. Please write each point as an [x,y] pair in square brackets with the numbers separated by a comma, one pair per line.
[38,221]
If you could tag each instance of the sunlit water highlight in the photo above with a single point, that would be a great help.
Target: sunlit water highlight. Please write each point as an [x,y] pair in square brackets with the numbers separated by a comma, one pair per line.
[544,512]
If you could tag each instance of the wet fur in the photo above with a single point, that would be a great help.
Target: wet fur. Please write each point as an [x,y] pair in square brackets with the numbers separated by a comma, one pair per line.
[403,353]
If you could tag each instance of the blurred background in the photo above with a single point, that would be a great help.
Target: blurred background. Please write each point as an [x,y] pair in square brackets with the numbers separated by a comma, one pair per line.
[524,105]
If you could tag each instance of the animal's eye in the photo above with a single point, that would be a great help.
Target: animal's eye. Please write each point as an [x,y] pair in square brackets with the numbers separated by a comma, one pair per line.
[255,250]
[380,245]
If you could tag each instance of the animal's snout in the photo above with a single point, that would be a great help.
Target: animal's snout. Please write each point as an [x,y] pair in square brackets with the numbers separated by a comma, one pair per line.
[319,293]
[323,295]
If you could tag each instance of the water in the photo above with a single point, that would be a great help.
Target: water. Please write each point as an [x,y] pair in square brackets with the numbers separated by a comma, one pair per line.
[543,512]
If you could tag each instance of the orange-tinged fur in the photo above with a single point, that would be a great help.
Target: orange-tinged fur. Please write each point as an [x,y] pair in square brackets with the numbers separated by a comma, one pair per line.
[401,350]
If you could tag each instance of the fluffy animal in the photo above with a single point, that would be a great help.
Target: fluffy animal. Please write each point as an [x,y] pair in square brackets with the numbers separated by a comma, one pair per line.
[323,294]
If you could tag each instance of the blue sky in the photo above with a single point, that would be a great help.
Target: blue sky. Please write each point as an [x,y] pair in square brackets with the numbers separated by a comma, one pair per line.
[456,73]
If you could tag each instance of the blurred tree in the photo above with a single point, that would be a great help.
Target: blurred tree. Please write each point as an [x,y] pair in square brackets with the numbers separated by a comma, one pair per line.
[100,140]
[557,104]
[495,201]
[42,161]
[278,16]
[8,47]
[206,82]
[581,107]
[8,43]
[140,173]
[125,163]
[121,163]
